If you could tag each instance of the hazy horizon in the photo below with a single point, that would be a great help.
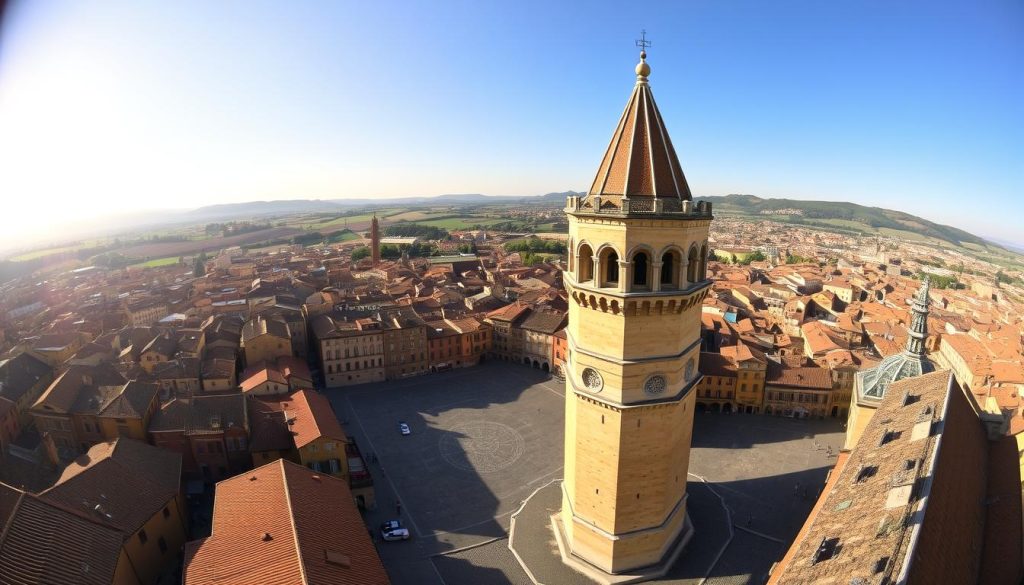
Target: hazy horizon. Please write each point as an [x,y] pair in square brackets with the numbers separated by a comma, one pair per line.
[153,217]
[114,108]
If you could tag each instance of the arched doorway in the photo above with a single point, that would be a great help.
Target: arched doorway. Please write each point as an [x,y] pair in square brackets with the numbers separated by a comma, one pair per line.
[545,367]
[526,361]
[716,407]
[727,408]
[701,407]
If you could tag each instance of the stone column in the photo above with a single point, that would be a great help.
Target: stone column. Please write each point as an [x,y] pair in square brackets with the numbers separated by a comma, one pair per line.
[597,271]
[656,280]
[683,276]
[625,275]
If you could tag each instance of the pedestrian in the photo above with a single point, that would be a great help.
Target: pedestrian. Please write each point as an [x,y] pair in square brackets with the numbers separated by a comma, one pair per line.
[750,518]
[398,507]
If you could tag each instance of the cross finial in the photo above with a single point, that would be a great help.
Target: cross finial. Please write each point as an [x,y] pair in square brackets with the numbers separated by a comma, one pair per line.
[642,42]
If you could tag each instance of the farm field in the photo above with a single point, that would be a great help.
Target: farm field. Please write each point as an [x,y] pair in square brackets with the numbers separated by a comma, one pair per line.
[166,249]
[158,262]
[462,222]
[42,253]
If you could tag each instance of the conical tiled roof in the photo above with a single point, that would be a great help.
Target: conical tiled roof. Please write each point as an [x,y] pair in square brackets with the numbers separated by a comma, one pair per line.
[640,161]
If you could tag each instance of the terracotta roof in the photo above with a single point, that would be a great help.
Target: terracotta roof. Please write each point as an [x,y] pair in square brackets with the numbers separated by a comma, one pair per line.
[19,374]
[1002,559]
[313,418]
[508,313]
[268,429]
[67,390]
[282,524]
[818,338]
[162,344]
[811,378]
[45,544]
[122,483]
[260,325]
[640,160]
[218,368]
[714,364]
[211,415]
[171,417]
[544,321]
[252,378]
[9,497]
[133,401]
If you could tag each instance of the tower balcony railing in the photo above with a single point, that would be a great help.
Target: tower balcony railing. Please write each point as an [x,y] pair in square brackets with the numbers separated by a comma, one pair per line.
[641,205]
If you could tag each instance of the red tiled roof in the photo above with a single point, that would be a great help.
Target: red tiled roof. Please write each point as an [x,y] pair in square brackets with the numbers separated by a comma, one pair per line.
[282,524]
[813,378]
[124,482]
[44,544]
[313,418]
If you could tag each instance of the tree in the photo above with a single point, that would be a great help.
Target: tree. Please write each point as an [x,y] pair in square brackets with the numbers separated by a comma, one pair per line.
[200,267]
[360,253]
[757,256]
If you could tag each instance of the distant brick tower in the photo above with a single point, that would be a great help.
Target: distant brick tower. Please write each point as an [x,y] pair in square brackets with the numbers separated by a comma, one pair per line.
[375,240]
[638,252]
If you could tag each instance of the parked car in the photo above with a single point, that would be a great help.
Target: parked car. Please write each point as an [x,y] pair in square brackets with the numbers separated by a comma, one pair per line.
[404,428]
[393,530]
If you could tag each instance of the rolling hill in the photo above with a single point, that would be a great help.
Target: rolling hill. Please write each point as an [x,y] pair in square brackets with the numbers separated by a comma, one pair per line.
[843,213]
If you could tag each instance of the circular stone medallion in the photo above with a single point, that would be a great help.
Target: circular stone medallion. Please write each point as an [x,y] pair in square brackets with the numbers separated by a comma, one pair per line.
[592,380]
[481,446]
[655,385]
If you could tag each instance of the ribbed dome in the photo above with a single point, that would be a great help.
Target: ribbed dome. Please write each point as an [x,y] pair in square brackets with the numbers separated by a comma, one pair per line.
[875,381]
[640,160]
[910,362]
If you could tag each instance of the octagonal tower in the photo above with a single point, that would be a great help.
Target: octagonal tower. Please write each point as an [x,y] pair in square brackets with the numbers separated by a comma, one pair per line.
[636,279]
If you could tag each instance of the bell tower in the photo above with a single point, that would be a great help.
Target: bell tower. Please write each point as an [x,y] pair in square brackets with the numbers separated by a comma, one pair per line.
[636,279]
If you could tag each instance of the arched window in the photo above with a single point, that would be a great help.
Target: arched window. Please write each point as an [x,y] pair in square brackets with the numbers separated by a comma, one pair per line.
[693,264]
[703,272]
[640,266]
[669,268]
[585,265]
[611,267]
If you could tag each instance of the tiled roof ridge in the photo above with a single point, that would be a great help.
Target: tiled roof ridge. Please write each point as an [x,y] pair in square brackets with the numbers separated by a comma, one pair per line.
[14,512]
[291,520]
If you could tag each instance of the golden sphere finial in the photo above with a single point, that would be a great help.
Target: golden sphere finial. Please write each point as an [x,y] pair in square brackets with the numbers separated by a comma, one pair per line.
[642,68]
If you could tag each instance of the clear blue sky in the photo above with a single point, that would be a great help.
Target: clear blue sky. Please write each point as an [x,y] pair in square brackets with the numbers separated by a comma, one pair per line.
[123,105]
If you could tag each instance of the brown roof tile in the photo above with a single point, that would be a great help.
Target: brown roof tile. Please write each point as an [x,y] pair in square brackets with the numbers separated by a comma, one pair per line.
[122,482]
[45,544]
[282,524]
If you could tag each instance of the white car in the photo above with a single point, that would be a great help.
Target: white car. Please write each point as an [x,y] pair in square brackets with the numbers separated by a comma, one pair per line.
[393,530]
[404,429]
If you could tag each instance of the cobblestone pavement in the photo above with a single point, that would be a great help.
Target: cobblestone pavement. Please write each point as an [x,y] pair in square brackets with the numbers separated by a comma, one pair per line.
[485,438]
